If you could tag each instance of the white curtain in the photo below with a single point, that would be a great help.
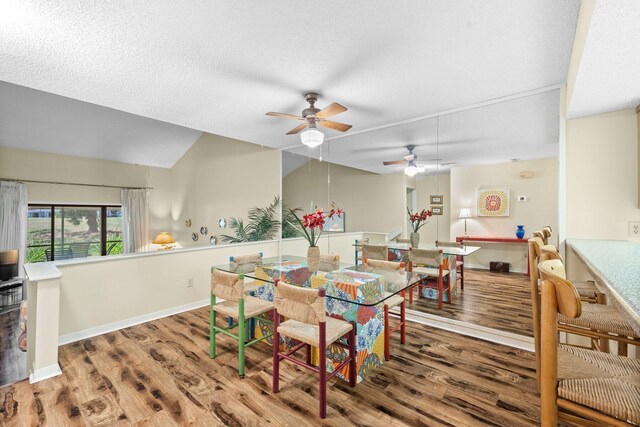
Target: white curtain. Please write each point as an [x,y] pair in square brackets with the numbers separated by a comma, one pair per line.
[13,219]
[135,220]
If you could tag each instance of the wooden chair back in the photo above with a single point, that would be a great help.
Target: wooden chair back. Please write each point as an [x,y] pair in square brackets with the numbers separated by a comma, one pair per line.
[228,286]
[549,252]
[380,252]
[449,244]
[329,262]
[425,257]
[399,240]
[245,263]
[540,234]
[546,231]
[305,305]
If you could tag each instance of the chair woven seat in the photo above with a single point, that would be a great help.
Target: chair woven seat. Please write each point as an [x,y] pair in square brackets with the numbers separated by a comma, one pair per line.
[252,307]
[310,334]
[459,263]
[394,301]
[603,381]
[430,271]
[601,317]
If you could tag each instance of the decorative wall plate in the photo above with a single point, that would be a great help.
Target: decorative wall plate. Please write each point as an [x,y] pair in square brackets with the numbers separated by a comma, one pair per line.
[213,240]
[222,223]
[194,237]
[204,230]
[188,223]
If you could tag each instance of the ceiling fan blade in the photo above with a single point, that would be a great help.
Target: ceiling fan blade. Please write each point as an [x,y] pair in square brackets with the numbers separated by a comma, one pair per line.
[394,162]
[334,125]
[287,116]
[331,110]
[297,129]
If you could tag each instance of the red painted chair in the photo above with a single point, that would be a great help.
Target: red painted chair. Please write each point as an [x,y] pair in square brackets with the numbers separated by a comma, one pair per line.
[431,264]
[308,323]
[392,272]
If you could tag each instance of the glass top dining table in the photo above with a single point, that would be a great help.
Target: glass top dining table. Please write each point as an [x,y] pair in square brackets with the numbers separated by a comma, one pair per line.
[354,284]
[447,250]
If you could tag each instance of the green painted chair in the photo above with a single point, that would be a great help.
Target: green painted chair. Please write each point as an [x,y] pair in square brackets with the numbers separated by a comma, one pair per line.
[229,287]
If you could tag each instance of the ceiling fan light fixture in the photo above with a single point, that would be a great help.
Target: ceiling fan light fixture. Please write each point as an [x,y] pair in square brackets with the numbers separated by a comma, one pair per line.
[311,137]
[410,170]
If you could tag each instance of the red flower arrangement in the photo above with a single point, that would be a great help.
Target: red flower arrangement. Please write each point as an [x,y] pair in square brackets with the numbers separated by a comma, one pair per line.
[419,219]
[311,224]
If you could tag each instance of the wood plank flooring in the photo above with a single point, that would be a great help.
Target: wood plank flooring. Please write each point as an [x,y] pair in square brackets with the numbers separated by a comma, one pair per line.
[159,374]
[13,362]
[496,300]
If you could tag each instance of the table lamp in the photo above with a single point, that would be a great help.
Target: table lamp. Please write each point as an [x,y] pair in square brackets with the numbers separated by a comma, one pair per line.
[165,240]
[465,213]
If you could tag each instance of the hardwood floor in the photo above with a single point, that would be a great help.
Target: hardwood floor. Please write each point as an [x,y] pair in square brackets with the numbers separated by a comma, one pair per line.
[13,362]
[159,373]
[496,300]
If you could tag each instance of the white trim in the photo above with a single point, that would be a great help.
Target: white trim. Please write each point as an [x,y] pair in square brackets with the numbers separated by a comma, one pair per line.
[45,373]
[463,328]
[132,321]
[484,267]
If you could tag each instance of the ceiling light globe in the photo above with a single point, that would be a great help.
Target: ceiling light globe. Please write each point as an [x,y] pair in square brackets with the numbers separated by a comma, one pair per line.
[311,137]
[411,170]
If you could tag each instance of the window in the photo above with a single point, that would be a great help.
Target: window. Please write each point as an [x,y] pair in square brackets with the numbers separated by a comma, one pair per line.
[67,231]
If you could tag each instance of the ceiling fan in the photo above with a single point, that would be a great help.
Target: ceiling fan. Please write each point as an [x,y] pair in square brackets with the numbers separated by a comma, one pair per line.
[312,117]
[410,159]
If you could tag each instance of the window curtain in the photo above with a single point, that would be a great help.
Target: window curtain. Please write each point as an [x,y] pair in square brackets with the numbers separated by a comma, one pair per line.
[135,220]
[13,219]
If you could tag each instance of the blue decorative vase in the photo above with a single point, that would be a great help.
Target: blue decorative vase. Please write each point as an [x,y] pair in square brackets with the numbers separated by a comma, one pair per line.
[520,232]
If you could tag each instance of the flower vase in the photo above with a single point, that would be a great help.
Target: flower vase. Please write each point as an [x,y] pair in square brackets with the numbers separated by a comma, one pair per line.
[313,258]
[415,239]
[520,231]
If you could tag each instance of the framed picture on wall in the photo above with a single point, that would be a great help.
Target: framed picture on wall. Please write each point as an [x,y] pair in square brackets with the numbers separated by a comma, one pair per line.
[437,210]
[437,199]
[494,201]
[335,224]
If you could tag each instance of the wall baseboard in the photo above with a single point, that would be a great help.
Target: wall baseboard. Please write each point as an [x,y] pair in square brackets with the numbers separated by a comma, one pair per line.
[45,373]
[132,321]
[463,328]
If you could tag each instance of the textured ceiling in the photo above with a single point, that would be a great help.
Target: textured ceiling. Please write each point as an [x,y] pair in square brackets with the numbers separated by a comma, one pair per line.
[35,120]
[219,66]
[609,74]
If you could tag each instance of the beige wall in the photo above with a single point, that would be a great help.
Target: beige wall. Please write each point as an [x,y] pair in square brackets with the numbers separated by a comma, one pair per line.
[540,209]
[220,178]
[372,202]
[602,175]
[33,165]
[438,227]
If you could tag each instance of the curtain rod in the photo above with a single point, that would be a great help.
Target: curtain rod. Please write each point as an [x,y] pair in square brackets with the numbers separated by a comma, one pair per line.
[74,183]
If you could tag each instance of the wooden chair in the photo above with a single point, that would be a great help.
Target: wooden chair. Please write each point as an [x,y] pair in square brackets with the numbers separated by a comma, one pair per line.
[392,271]
[236,305]
[429,263]
[358,248]
[329,263]
[586,289]
[546,232]
[591,388]
[599,322]
[308,323]
[539,234]
[244,264]
[379,252]
[459,260]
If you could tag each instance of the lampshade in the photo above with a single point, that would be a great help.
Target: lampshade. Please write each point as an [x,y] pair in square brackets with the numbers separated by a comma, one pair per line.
[163,238]
[465,213]
[311,137]
[410,170]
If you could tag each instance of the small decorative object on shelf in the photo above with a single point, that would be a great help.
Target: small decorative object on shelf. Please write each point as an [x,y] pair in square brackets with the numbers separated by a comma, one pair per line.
[194,237]
[311,226]
[165,240]
[520,231]
[213,241]
[222,223]
[188,223]
[204,230]
[418,220]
